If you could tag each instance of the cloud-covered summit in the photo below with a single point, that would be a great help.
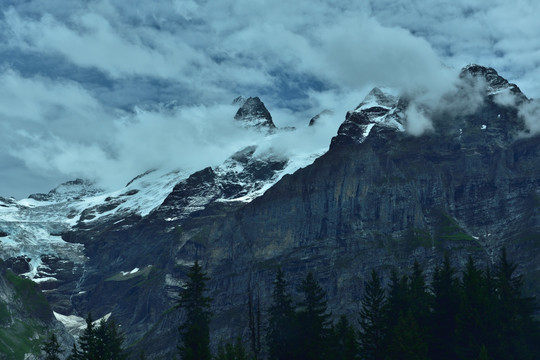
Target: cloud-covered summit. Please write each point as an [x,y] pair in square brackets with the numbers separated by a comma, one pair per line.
[89,87]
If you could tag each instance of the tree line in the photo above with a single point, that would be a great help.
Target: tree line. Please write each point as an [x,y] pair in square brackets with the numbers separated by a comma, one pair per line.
[478,314]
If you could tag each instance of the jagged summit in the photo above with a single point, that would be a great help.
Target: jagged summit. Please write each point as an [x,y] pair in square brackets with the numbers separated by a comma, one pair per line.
[483,108]
[253,112]
[495,83]
[380,107]
[379,97]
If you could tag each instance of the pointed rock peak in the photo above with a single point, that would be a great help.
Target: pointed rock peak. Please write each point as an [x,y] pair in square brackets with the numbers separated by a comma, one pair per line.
[253,112]
[316,118]
[379,97]
[494,82]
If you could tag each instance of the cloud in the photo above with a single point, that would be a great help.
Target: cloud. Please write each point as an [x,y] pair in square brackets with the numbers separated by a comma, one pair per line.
[93,42]
[85,140]
[530,112]
[417,122]
[74,73]
[499,34]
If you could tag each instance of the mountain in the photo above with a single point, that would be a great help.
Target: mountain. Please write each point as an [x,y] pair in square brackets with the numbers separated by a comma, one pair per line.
[405,178]
[25,317]
[78,240]
[252,112]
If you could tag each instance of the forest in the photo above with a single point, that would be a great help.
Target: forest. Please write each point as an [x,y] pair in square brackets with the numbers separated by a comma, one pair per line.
[474,314]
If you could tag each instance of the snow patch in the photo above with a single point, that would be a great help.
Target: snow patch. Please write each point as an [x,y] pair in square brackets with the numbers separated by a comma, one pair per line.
[75,325]
[124,273]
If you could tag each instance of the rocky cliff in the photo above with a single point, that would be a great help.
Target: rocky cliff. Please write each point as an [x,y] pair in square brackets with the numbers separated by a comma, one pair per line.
[388,191]
[379,199]
[26,318]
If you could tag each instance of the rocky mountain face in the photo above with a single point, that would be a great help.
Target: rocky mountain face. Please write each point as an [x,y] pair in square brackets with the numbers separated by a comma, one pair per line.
[25,317]
[379,198]
[252,112]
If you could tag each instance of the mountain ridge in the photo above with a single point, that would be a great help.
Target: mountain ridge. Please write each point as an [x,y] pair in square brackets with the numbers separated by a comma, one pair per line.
[379,198]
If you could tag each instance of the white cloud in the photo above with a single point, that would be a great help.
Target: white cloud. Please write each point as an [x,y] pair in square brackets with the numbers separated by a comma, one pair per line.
[94,42]
[300,57]
[500,34]
[530,112]
[417,122]
[505,98]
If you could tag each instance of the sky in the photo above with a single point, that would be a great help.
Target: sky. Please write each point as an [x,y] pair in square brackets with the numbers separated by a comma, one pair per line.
[106,90]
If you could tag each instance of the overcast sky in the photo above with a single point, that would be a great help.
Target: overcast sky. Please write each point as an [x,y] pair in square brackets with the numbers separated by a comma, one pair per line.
[107,89]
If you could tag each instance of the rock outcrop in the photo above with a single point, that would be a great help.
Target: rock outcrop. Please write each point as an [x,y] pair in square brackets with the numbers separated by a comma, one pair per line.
[378,199]
[254,113]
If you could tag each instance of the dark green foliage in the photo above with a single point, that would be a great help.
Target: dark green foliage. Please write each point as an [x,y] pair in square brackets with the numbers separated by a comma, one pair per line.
[483,353]
[101,342]
[398,301]
[230,351]
[406,317]
[195,331]
[516,325]
[420,301]
[478,317]
[343,344]
[445,288]
[372,316]
[406,340]
[51,348]
[75,353]
[87,341]
[109,341]
[281,321]
[32,299]
[476,320]
[313,320]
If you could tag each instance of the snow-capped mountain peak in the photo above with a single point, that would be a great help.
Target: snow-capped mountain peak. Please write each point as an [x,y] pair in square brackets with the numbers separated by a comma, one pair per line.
[35,227]
[494,83]
[252,112]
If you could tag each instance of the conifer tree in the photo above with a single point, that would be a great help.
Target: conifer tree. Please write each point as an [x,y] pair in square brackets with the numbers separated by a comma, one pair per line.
[518,330]
[476,319]
[232,352]
[419,300]
[51,347]
[280,332]
[313,320]
[397,301]
[344,345]
[372,321]
[405,336]
[396,305]
[88,341]
[445,288]
[75,353]
[195,331]
[99,342]
[407,341]
[109,341]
